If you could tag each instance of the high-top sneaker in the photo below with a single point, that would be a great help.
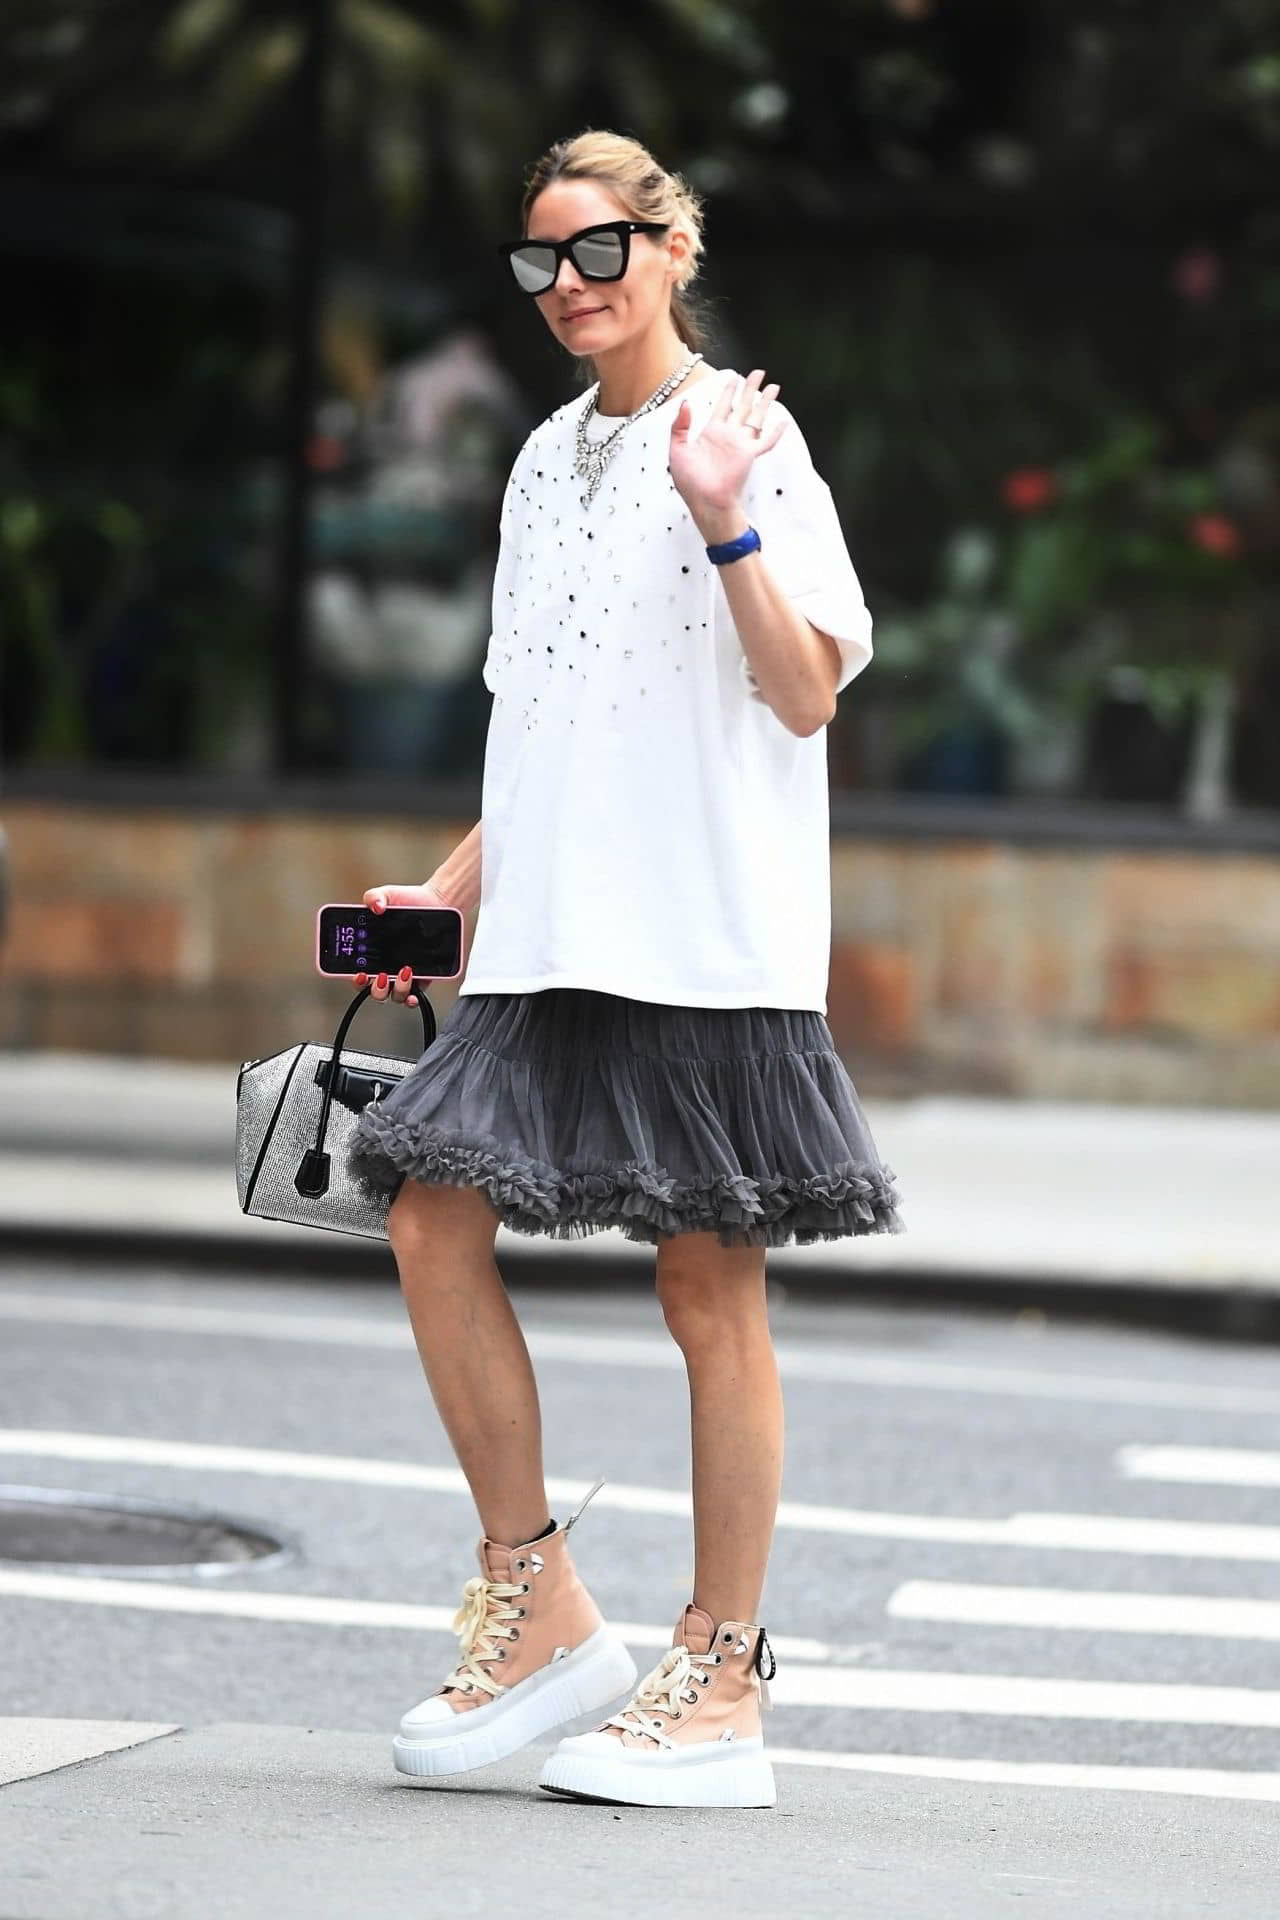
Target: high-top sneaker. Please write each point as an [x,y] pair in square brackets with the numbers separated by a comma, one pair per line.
[535,1655]
[690,1735]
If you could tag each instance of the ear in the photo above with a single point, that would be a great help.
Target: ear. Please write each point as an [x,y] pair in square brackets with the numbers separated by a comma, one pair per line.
[678,250]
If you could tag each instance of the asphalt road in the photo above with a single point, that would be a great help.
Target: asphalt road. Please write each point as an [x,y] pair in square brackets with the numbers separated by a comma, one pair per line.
[1025,1596]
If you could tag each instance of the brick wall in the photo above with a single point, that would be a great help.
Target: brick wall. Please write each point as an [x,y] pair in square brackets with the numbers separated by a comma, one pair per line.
[1082,973]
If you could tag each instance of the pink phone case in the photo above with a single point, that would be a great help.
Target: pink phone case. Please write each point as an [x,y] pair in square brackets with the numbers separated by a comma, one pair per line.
[358,906]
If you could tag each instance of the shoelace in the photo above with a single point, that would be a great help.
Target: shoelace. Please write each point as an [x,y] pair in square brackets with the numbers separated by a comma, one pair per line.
[676,1678]
[479,1623]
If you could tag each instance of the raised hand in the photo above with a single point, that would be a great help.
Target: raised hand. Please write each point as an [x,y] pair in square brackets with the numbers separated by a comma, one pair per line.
[710,471]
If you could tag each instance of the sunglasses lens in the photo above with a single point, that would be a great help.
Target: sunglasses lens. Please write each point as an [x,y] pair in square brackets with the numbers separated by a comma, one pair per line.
[534,268]
[598,256]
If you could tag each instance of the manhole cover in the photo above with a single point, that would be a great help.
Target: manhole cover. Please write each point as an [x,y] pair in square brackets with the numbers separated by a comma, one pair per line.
[42,1526]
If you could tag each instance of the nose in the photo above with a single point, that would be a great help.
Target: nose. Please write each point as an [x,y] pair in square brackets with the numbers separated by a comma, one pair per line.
[575,282]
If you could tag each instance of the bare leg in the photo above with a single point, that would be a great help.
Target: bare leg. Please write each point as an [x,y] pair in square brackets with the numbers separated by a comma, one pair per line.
[473,1352]
[713,1298]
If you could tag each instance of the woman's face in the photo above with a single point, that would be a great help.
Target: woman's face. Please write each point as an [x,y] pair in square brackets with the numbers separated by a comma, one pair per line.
[593,316]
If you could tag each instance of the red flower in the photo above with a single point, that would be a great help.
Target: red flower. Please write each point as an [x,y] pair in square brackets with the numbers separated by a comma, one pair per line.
[1197,275]
[324,453]
[1214,533]
[1028,489]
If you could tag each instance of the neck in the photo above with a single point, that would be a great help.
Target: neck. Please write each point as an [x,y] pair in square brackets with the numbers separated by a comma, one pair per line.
[629,373]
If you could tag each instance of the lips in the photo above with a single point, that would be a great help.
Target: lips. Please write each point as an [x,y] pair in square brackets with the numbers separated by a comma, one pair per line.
[583,313]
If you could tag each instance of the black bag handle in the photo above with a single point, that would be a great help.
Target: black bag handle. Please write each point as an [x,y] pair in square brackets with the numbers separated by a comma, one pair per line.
[312,1177]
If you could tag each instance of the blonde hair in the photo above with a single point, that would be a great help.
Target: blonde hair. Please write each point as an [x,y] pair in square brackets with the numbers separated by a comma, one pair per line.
[647,191]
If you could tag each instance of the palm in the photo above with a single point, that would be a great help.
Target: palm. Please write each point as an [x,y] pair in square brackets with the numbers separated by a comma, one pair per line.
[710,471]
[714,467]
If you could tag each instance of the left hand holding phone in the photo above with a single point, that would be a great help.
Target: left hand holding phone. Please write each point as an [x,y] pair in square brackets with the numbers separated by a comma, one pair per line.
[379,898]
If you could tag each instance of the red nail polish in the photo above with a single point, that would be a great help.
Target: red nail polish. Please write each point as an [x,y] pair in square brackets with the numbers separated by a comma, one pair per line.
[406,973]
[382,979]
[362,979]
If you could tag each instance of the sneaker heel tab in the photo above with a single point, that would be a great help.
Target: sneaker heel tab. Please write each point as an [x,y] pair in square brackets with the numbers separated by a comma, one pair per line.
[765,1665]
[582,1505]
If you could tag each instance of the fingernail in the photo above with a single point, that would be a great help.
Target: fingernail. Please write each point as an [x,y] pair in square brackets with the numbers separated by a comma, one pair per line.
[377,906]
[406,973]
[382,979]
[362,979]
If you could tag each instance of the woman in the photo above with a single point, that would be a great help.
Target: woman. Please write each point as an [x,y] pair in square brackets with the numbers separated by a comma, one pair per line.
[640,1041]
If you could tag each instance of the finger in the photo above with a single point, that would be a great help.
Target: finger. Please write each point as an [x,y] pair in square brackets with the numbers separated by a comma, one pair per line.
[362,979]
[680,425]
[747,396]
[767,397]
[412,1001]
[724,405]
[380,986]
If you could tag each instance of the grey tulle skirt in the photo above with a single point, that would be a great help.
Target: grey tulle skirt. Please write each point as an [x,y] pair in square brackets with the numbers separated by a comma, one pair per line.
[575,1110]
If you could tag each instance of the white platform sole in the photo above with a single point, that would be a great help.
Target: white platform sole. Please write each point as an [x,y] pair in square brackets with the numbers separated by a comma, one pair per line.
[737,1775]
[588,1682]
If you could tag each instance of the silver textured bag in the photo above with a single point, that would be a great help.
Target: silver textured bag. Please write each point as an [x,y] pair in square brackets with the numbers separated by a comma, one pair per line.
[296,1114]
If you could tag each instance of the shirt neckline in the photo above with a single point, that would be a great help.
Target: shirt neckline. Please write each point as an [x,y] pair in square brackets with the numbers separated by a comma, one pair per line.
[616,419]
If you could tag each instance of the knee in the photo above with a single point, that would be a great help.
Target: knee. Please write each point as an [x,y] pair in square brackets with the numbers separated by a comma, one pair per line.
[706,1312]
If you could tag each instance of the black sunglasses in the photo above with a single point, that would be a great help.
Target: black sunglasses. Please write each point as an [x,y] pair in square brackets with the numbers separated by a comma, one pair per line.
[599,253]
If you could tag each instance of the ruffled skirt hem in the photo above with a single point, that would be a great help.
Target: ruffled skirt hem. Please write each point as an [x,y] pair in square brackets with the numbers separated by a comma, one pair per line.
[642,1201]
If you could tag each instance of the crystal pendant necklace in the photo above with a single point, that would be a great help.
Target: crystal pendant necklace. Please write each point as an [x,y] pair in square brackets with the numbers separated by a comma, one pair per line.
[593,456]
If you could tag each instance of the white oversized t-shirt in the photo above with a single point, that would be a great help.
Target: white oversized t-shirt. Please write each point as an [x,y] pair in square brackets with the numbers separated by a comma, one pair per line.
[649,826]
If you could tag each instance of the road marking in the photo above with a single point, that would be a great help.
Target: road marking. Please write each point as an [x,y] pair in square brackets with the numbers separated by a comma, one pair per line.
[795,1684]
[314,1610]
[1097,1612]
[31,1746]
[1205,1782]
[1055,1532]
[798,1361]
[1208,1466]
[924,1691]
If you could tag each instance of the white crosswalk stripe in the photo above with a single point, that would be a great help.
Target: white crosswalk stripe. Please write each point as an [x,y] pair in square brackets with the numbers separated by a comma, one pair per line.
[797,1360]
[1204,1466]
[796,1684]
[1055,1532]
[1083,1611]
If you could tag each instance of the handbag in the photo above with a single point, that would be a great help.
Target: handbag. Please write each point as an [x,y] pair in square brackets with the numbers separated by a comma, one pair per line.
[296,1115]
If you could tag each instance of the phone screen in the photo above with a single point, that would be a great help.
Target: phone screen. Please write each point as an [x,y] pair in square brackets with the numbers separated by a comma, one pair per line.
[428,940]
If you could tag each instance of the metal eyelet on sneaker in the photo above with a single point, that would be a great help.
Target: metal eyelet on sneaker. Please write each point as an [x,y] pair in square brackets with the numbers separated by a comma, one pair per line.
[520,1612]
[726,1637]
[519,1566]
[525,1587]
[691,1698]
[705,1679]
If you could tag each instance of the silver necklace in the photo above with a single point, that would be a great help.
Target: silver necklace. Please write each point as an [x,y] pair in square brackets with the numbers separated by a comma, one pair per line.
[593,456]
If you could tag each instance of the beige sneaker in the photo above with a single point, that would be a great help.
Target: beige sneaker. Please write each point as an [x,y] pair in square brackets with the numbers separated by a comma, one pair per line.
[536,1654]
[690,1736]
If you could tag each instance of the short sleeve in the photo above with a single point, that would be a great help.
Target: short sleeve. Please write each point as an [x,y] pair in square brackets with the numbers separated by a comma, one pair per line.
[504,578]
[802,543]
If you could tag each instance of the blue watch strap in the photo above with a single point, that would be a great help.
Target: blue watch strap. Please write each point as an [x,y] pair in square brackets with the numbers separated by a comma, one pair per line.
[748,542]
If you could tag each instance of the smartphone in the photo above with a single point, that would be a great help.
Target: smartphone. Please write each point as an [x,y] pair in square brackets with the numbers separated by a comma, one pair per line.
[355,939]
